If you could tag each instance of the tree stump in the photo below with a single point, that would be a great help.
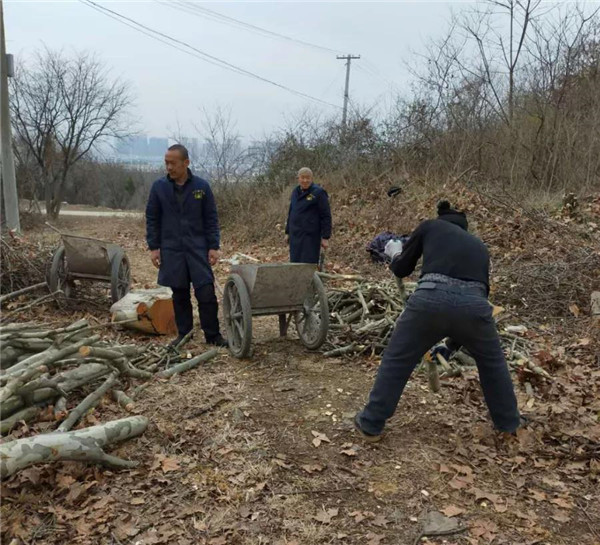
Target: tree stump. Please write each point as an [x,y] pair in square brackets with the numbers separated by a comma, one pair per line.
[146,310]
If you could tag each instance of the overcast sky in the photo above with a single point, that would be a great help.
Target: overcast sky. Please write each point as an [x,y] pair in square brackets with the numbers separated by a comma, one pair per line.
[171,87]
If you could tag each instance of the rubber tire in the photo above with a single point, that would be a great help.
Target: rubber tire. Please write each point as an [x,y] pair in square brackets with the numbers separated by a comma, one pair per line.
[318,287]
[53,278]
[115,265]
[236,282]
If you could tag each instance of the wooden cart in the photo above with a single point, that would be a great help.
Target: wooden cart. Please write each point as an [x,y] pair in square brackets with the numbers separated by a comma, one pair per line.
[84,258]
[290,290]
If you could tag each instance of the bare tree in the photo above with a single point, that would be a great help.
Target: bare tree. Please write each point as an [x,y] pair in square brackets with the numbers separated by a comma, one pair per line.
[223,156]
[496,49]
[62,107]
[510,92]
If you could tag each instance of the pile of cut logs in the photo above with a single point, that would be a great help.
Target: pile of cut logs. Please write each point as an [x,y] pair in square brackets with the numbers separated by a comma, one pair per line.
[44,367]
[363,316]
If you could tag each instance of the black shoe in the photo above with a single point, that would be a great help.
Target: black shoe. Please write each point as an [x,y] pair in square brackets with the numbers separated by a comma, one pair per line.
[368,437]
[524,422]
[218,341]
[177,341]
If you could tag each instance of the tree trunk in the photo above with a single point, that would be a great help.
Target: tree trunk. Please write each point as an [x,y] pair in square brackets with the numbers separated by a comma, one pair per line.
[82,445]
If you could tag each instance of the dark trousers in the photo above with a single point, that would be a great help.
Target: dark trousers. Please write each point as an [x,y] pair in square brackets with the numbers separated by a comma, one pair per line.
[463,314]
[208,309]
[305,248]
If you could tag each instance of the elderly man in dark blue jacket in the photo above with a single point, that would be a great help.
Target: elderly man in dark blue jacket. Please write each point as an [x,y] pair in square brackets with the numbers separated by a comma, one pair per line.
[182,232]
[308,226]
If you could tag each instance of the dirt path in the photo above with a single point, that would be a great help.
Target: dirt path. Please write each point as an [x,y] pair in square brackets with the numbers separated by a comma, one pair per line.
[263,452]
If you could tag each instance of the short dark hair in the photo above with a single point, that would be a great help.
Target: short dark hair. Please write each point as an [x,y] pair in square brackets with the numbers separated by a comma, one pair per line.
[181,149]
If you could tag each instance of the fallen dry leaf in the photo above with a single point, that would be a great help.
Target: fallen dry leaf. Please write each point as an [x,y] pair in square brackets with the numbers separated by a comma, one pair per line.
[326,516]
[124,530]
[464,470]
[169,464]
[64,481]
[458,483]
[561,517]
[359,516]
[31,474]
[562,502]
[311,468]
[374,539]
[319,438]
[380,521]
[537,495]
[484,528]
[452,511]
[482,495]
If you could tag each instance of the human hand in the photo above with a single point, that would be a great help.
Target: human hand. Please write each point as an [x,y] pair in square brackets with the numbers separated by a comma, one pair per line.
[213,257]
[155,257]
[393,248]
[324,243]
[287,239]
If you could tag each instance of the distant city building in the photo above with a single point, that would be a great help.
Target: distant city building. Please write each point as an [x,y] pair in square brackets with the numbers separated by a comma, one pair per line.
[157,146]
[141,152]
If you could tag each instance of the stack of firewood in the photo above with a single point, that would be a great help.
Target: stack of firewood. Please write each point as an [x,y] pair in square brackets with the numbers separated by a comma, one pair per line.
[363,316]
[44,367]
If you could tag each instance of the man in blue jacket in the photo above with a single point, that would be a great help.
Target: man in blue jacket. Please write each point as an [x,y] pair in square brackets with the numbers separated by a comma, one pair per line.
[182,232]
[308,226]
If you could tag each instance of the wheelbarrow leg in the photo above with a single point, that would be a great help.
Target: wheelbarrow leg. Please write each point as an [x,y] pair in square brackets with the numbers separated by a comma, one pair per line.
[284,322]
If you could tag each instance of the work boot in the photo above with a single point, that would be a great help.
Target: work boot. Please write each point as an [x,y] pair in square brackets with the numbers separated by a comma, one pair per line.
[369,438]
[218,341]
[177,341]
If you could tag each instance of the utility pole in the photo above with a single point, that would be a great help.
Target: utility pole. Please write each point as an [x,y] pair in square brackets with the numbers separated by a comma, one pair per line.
[348,59]
[7,166]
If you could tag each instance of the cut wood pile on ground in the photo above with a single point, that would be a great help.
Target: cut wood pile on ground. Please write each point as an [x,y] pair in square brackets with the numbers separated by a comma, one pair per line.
[25,280]
[362,319]
[60,375]
[24,262]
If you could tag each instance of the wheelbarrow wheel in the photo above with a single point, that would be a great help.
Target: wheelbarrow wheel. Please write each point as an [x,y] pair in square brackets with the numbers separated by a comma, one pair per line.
[120,277]
[312,322]
[59,273]
[238,316]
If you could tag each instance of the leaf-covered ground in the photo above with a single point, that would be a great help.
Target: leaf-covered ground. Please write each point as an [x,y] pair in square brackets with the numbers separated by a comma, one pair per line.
[263,451]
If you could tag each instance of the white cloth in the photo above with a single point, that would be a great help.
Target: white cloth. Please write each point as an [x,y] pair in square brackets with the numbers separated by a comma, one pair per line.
[393,248]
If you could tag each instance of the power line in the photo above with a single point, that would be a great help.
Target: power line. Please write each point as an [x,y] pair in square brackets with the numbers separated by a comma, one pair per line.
[195,52]
[201,11]
[378,74]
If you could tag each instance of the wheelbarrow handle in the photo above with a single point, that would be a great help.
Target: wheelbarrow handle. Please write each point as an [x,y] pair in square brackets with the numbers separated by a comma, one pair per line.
[321,265]
[53,228]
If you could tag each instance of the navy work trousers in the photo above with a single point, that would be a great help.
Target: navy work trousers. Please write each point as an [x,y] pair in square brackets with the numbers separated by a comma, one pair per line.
[208,309]
[463,314]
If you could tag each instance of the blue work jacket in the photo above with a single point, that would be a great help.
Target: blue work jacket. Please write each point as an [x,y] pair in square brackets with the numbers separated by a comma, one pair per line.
[309,221]
[184,229]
